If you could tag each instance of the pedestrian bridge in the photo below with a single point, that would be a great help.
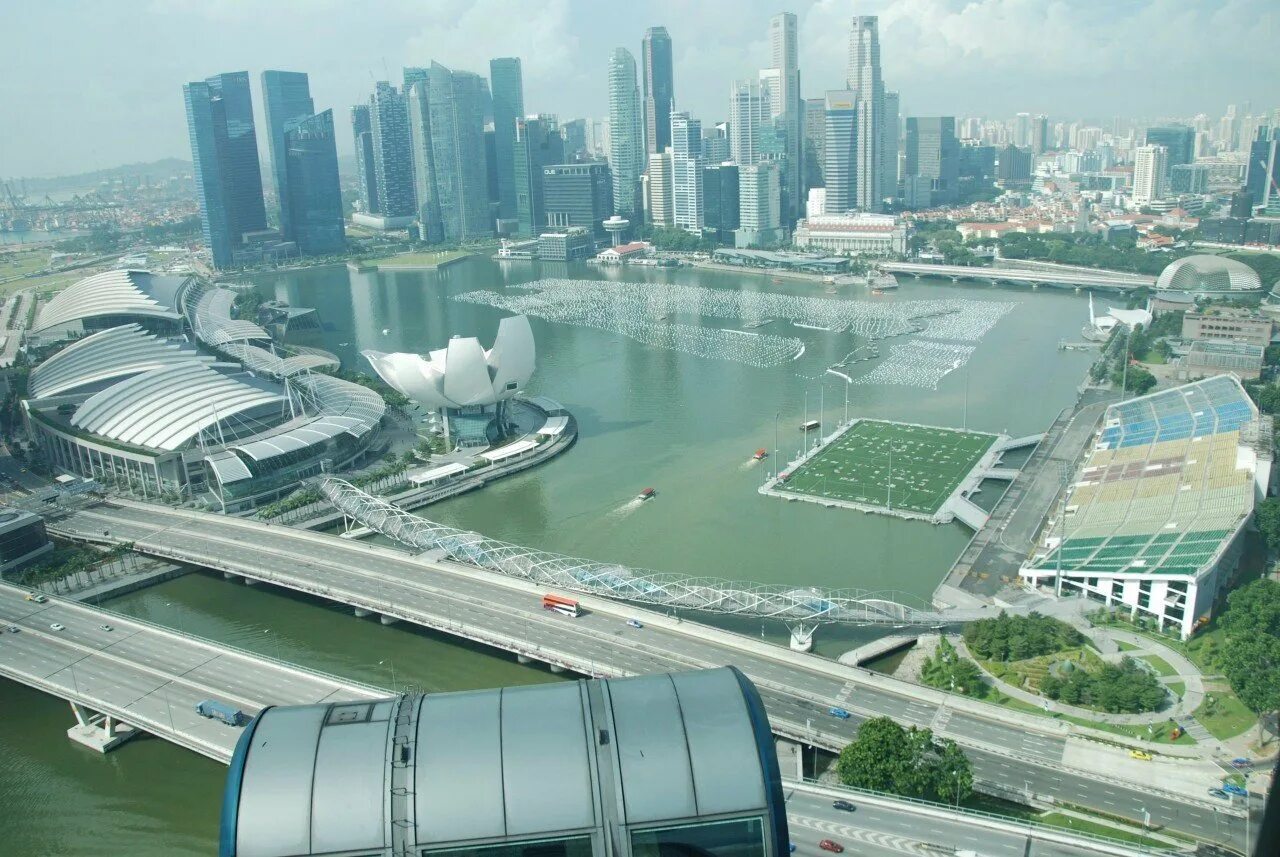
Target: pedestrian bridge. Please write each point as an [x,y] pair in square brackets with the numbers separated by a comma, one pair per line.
[1113,280]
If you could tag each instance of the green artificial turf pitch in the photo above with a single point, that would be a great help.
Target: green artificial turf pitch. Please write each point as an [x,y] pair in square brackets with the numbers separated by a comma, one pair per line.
[927,465]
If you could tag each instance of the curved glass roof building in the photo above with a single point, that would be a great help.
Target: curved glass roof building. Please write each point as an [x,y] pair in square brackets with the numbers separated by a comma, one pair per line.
[664,764]
[1201,275]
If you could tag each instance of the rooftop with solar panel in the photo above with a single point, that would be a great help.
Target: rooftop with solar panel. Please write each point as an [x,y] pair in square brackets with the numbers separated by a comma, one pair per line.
[1153,516]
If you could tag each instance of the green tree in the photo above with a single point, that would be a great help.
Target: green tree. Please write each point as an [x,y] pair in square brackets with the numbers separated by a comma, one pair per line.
[1267,516]
[954,773]
[886,757]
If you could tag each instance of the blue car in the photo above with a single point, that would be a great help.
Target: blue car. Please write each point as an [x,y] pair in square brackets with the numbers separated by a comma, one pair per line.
[839,712]
[791,848]
[1233,789]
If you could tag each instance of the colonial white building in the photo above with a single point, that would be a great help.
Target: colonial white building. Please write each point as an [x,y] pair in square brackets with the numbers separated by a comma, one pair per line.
[854,234]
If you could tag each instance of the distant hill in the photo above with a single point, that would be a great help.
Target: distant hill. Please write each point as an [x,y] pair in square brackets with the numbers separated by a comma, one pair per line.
[155,169]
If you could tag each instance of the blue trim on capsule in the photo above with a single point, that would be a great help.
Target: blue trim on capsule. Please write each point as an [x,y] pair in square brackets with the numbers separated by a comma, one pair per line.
[231,794]
[775,801]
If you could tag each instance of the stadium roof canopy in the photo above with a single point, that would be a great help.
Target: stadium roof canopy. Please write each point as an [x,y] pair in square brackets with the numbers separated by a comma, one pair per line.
[1208,275]
[112,294]
[168,407]
[108,355]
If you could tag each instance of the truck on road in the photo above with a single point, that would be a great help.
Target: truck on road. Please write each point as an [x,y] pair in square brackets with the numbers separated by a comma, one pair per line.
[228,714]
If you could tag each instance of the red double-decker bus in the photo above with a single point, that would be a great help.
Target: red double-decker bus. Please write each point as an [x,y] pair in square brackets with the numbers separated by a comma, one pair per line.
[560,604]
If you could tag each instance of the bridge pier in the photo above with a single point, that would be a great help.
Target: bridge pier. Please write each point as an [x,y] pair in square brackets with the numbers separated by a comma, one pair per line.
[556,668]
[98,732]
[388,620]
[361,612]
[226,575]
[249,581]
[802,637]
[523,659]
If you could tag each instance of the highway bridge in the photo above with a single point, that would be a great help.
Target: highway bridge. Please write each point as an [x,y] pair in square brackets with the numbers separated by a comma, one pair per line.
[1015,755]
[1109,280]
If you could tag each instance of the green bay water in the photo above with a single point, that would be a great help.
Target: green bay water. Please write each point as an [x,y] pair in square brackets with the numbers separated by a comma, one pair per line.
[684,425]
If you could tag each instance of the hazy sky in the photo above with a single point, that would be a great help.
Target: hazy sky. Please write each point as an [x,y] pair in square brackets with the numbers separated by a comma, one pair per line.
[88,83]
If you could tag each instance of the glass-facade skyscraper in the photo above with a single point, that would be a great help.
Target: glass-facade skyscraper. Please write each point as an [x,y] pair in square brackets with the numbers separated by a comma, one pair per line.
[841,151]
[658,82]
[286,99]
[578,195]
[458,183]
[626,143]
[1180,140]
[313,195]
[507,84]
[933,153]
[392,160]
[864,79]
[538,145]
[224,155]
[362,132]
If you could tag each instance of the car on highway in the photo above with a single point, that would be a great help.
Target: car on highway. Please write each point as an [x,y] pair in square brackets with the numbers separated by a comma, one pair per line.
[1140,754]
[791,848]
[1233,789]
[36,597]
[1219,793]
[635,623]
[843,805]
[839,712]
[57,626]
[13,629]
[1242,763]
[832,846]
[105,628]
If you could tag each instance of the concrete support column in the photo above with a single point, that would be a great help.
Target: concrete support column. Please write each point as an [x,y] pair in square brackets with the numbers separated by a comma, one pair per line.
[83,715]
[388,620]
[361,612]
[524,659]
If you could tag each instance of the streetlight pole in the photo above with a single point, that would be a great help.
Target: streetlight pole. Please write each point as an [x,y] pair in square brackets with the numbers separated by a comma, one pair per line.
[1124,373]
[775,444]
[846,401]
[392,663]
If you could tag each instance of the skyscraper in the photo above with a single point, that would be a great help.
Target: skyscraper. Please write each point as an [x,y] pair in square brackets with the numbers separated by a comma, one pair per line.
[720,200]
[864,79]
[889,137]
[362,131]
[933,153]
[286,98]
[392,158]
[578,195]
[224,155]
[659,89]
[1013,164]
[841,147]
[760,219]
[574,133]
[508,106]
[1180,140]
[1150,172]
[1039,134]
[313,196]
[1263,170]
[661,212]
[626,142]
[455,112]
[750,109]
[784,57]
[427,205]
[715,144]
[538,144]
[686,172]
[815,140]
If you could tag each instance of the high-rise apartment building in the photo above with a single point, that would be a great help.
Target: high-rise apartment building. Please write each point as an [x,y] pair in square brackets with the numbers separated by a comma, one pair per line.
[750,109]
[658,81]
[507,83]
[788,109]
[1150,172]
[362,132]
[224,155]
[933,153]
[286,99]
[815,140]
[686,172]
[456,104]
[626,141]
[864,79]
[891,133]
[578,195]
[661,211]
[538,145]
[313,195]
[1180,140]
[840,166]
[392,156]
[760,219]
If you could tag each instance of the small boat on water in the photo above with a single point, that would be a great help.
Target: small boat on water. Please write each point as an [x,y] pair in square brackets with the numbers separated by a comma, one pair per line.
[646,494]
[761,454]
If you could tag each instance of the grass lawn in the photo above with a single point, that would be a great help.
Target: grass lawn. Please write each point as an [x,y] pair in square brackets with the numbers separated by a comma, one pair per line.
[1224,715]
[1125,647]
[1057,819]
[1159,735]
[47,282]
[891,465]
[430,259]
[1162,667]
[1179,688]
[18,263]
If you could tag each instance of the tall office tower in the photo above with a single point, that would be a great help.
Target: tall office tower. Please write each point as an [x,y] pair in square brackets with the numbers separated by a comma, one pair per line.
[1039,134]
[864,79]
[1013,164]
[392,155]
[286,99]
[815,140]
[1180,140]
[661,211]
[1263,170]
[1228,130]
[508,106]
[411,75]
[749,112]
[578,195]
[715,144]
[659,89]
[788,110]
[626,142]
[889,141]
[455,117]
[224,155]
[759,217]
[720,200]
[362,131]
[1022,130]
[933,154]
[574,133]
[597,139]
[538,145]
[686,172]
[430,225]
[840,165]
[313,195]
[1189,178]
[1150,172]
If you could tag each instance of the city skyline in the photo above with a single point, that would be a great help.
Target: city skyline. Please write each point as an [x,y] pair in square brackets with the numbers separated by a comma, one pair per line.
[566,52]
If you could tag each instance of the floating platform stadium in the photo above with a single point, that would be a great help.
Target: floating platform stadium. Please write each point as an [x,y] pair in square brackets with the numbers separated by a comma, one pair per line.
[906,470]
[1152,520]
